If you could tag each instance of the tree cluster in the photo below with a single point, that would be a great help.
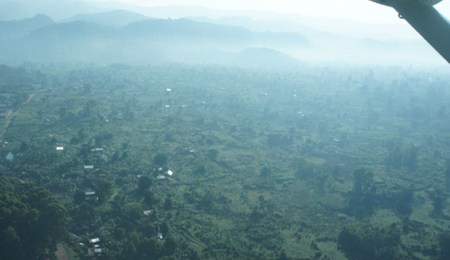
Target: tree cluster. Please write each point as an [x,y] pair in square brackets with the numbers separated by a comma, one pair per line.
[32,221]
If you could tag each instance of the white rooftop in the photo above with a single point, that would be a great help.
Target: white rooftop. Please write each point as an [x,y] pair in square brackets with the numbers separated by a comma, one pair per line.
[94,240]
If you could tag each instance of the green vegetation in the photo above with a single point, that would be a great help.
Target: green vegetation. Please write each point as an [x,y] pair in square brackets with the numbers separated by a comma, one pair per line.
[368,242]
[31,220]
[206,162]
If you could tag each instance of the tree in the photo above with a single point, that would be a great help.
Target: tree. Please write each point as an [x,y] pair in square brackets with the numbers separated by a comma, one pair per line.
[398,158]
[438,198]
[149,198]
[447,174]
[168,204]
[104,188]
[410,158]
[84,215]
[165,229]
[444,243]
[78,197]
[144,183]
[24,147]
[133,211]
[394,158]
[150,248]
[31,221]
[170,245]
[10,246]
[265,171]
[363,193]
[200,170]
[160,160]
[368,242]
[401,202]
[304,169]
[213,154]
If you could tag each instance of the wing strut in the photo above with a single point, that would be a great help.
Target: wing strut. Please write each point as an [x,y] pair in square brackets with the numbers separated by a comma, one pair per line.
[429,23]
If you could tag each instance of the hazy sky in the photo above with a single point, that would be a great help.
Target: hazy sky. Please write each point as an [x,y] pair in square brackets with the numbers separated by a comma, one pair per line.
[361,10]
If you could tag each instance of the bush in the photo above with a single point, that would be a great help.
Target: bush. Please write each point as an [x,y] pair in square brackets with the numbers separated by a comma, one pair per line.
[364,241]
[144,183]
[160,160]
[363,194]
[444,243]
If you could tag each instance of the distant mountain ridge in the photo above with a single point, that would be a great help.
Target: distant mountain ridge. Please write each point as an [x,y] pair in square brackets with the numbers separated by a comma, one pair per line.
[164,30]
[56,9]
[123,36]
[115,18]
[120,36]
[21,27]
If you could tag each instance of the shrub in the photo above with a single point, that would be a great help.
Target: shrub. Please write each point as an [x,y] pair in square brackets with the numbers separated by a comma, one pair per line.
[364,241]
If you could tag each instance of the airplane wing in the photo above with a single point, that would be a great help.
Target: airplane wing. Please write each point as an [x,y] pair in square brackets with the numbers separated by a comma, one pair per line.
[429,23]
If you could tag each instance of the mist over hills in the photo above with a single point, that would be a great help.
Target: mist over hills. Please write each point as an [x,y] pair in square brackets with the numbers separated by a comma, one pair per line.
[56,9]
[11,29]
[121,36]
[115,18]
[130,37]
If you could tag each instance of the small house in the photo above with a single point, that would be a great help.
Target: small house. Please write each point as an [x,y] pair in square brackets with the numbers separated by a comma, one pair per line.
[90,196]
[94,252]
[9,156]
[88,167]
[94,240]
[89,193]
